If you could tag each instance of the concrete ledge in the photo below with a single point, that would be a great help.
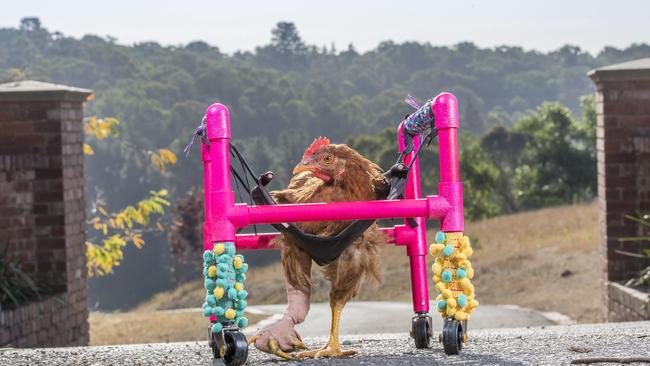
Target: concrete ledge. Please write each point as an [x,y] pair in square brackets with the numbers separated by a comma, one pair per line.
[627,304]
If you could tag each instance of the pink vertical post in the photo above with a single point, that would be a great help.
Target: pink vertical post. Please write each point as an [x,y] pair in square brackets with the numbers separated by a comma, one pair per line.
[219,196]
[445,107]
[417,248]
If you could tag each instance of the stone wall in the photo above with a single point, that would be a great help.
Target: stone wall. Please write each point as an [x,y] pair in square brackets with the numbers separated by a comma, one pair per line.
[623,148]
[42,210]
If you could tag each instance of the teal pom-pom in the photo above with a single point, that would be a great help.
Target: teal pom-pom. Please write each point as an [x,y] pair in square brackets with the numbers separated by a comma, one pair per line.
[242,304]
[440,237]
[232,293]
[242,294]
[442,304]
[218,311]
[446,276]
[461,273]
[224,258]
[208,256]
[244,268]
[242,322]
[207,311]
[230,249]
[210,284]
[448,250]
[217,327]
[239,313]
[221,282]
[240,277]
[462,300]
[211,300]
[205,271]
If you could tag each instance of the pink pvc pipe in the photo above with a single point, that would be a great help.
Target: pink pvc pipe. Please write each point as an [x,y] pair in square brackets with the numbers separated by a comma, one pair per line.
[445,107]
[397,235]
[432,206]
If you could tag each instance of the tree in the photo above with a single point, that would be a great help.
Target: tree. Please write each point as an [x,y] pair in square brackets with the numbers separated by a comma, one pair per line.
[30,24]
[286,40]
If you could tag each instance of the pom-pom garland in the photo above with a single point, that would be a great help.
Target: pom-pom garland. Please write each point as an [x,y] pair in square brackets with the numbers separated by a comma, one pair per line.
[452,272]
[224,274]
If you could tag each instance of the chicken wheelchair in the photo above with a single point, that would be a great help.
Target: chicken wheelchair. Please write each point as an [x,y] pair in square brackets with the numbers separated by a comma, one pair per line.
[225,270]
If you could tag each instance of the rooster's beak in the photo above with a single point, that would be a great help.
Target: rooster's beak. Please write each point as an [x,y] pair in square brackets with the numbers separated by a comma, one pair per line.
[303,168]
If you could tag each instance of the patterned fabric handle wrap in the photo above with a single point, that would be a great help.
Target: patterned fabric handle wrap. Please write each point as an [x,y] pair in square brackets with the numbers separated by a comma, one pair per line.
[421,120]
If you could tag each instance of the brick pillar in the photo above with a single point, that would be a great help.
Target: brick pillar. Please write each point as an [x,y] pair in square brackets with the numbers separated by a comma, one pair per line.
[623,145]
[42,209]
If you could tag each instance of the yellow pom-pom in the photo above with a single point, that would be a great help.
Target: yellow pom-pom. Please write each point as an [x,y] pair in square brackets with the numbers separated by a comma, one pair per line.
[437,269]
[237,263]
[464,282]
[451,303]
[469,290]
[464,241]
[230,314]
[239,286]
[219,248]
[450,311]
[472,304]
[468,252]
[460,315]
[436,279]
[464,263]
[461,257]
[470,272]
[218,292]
[212,271]
[440,286]
[438,298]
[435,249]
[447,294]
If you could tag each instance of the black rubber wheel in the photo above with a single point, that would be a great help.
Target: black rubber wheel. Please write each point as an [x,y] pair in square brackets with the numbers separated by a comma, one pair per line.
[421,332]
[236,349]
[452,337]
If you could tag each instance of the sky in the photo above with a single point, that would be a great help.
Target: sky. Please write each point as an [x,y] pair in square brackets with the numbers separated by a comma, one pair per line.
[242,25]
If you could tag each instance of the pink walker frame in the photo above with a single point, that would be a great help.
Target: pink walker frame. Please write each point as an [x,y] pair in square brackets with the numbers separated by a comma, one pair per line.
[223,216]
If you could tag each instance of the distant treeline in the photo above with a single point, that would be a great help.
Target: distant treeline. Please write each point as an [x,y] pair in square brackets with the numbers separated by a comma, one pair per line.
[520,153]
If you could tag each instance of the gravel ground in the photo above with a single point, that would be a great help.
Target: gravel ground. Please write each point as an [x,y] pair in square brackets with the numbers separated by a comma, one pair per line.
[553,345]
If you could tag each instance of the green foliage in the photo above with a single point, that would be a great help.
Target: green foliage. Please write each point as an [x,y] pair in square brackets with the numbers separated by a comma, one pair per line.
[546,158]
[287,92]
[116,230]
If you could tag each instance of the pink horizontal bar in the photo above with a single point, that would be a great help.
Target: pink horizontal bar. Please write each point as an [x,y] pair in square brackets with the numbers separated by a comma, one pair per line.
[262,241]
[432,207]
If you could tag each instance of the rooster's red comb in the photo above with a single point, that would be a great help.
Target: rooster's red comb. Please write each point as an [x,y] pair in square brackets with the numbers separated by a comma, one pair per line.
[318,143]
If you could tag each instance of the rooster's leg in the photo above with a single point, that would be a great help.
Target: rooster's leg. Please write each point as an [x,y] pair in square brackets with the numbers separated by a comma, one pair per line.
[333,347]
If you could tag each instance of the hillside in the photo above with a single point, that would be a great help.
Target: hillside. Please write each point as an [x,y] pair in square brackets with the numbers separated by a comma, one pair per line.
[546,259]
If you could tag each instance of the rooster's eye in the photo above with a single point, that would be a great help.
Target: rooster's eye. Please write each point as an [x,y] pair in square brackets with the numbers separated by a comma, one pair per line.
[328,158]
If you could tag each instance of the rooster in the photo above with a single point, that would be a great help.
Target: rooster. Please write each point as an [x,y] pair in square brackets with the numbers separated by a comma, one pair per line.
[327,173]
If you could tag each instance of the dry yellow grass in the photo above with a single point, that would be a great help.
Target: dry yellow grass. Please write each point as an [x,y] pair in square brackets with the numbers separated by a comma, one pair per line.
[149,327]
[519,259]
